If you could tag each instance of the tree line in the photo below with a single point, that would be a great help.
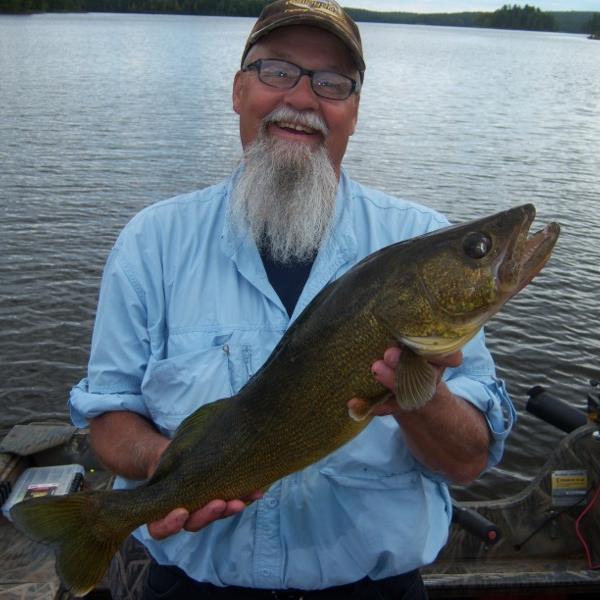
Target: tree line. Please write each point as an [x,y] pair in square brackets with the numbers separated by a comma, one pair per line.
[593,27]
[507,17]
[518,17]
[241,8]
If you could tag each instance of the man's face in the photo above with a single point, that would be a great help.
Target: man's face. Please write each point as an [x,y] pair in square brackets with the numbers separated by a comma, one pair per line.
[313,49]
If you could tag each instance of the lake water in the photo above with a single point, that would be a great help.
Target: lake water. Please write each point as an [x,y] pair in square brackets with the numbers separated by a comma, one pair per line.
[102,115]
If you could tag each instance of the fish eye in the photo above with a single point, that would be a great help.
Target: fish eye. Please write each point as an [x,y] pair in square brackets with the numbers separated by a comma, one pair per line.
[477,244]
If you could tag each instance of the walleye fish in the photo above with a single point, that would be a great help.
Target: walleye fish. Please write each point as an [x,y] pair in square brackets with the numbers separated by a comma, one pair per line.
[431,294]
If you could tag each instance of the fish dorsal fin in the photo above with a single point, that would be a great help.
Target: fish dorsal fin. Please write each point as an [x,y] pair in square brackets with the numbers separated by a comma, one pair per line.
[186,436]
[415,380]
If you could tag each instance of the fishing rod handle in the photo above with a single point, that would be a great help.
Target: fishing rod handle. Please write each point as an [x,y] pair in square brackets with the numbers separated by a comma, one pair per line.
[475,524]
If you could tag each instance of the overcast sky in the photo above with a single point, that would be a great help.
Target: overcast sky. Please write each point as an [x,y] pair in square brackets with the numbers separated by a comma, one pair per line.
[429,6]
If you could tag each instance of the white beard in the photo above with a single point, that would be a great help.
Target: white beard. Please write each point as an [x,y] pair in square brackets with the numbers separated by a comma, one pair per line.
[285,196]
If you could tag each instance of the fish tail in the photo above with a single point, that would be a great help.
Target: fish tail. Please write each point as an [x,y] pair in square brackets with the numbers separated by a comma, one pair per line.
[84,529]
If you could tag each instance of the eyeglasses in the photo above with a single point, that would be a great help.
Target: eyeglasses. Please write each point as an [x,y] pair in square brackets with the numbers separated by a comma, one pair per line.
[285,75]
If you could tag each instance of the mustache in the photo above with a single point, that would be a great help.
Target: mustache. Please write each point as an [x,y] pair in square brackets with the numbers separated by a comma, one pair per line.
[290,115]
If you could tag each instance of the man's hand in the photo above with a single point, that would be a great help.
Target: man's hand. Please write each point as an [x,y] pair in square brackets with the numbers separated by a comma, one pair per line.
[447,434]
[384,371]
[180,518]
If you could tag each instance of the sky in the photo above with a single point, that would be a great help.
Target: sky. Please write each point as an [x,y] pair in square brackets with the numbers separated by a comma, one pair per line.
[431,6]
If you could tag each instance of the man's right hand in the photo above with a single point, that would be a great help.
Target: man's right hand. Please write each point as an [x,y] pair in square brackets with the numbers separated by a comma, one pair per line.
[180,518]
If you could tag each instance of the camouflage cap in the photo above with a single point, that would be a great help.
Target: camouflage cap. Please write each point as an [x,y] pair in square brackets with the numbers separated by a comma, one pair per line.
[325,14]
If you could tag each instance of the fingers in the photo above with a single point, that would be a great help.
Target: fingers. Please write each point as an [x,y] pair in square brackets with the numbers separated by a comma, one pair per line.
[217,509]
[392,356]
[252,497]
[383,373]
[180,518]
[172,523]
[384,370]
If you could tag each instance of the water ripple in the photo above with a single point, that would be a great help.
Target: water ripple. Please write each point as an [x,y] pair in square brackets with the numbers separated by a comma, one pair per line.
[105,114]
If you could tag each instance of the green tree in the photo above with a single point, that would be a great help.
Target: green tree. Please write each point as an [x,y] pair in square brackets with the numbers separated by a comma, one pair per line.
[593,26]
[15,6]
[518,17]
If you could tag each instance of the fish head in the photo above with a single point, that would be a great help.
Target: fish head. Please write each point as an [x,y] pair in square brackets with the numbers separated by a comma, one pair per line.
[465,274]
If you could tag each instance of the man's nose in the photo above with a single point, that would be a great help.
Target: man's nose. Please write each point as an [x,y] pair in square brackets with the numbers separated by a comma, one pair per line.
[302,96]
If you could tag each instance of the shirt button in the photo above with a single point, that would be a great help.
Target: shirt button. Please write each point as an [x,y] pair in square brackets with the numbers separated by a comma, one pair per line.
[272,502]
[265,572]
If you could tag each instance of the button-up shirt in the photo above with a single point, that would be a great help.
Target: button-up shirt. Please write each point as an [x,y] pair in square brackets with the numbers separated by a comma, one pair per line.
[186,315]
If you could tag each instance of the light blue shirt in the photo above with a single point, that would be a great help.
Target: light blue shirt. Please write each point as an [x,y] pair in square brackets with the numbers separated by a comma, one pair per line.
[186,315]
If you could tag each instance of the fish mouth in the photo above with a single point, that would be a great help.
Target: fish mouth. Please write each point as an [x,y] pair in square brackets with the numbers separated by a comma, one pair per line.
[527,254]
[536,252]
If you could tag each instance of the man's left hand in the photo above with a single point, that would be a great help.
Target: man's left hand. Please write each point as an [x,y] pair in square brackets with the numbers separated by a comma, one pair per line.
[384,371]
[447,434]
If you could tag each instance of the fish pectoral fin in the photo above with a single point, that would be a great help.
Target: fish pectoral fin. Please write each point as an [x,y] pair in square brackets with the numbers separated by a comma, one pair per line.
[416,380]
[186,436]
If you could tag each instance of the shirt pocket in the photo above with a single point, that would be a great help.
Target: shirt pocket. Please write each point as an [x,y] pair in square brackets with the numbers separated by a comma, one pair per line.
[176,386]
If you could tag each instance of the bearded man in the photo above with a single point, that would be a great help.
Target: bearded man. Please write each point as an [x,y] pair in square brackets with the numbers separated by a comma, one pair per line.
[199,289]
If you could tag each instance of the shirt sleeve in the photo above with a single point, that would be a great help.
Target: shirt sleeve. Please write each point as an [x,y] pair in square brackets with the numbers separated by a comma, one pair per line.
[120,348]
[475,381]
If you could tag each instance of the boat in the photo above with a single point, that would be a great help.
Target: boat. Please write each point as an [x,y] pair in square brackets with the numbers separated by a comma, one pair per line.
[27,571]
[541,542]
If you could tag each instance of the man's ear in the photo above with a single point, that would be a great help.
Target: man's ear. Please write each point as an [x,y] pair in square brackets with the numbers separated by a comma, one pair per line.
[238,91]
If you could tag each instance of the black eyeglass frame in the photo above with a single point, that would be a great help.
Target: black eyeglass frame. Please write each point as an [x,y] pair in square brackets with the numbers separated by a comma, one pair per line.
[257,64]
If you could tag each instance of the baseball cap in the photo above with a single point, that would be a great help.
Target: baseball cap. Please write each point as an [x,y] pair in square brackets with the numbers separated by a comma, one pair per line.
[325,14]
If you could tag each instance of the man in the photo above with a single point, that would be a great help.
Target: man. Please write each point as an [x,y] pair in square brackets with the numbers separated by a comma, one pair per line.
[196,294]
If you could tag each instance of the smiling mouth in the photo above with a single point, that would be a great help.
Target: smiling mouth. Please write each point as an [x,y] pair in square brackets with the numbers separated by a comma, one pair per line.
[285,121]
[296,128]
